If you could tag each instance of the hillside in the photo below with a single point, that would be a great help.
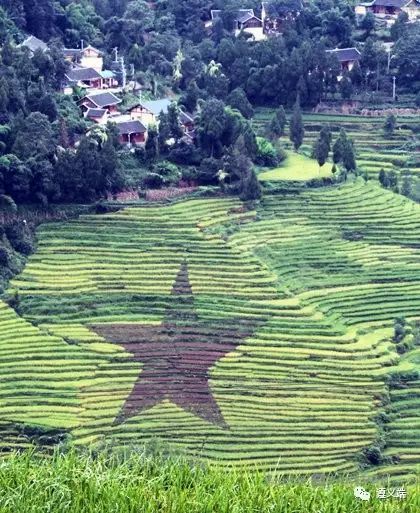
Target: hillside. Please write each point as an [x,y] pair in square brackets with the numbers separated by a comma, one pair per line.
[243,337]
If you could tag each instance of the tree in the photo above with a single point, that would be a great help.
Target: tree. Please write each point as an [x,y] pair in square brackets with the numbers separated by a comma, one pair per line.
[278,123]
[151,146]
[239,171]
[211,125]
[368,23]
[297,130]
[407,186]
[345,86]
[383,178]
[389,125]
[338,147]
[34,138]
[322,145]
[349,158]
[190,97]
[238,100]
[343,151]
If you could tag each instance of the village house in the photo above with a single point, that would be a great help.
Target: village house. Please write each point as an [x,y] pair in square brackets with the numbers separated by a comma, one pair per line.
[88,57]
[276,16]
[347,57]
[148,111]
[244,20]
[105,100]
[99,116]
[187,123]
[389,9]
[33,44]
[108,79]
[131,133]
[85,77]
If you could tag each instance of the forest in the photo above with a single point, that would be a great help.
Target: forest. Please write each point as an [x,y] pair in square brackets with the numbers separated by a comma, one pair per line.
[169,50]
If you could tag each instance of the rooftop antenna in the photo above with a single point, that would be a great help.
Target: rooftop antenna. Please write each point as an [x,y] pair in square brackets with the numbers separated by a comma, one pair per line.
[82,44]
[116,53]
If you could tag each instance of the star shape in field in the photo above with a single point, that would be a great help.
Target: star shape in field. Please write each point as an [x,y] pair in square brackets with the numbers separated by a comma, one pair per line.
[177,355]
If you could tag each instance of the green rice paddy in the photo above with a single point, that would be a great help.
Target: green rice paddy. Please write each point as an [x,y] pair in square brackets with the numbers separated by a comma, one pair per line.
[296,167]
[319,274]
[375,150]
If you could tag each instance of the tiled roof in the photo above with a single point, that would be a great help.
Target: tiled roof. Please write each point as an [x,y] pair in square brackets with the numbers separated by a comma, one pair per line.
[155,106]
[185,118]
[71,52]
[83,74]
[95,113]
[241,15]
[103,99]
[388,3]
[346,54]
[131,127]
[33,43]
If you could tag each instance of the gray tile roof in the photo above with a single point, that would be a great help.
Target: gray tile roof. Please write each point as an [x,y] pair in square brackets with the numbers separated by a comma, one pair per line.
[95,113]
[387,3]
[33,43]
[83,74]
[71,52]
[184,117]
[131,127]
[103,99]
[346,54]
[155,106]
[240,15]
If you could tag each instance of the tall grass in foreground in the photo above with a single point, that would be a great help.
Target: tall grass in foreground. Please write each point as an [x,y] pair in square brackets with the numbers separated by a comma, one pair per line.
[77,483]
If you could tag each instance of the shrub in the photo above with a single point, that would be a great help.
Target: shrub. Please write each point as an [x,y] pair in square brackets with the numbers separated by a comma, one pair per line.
[152,181]
[373,454]
[399,329]
[266,153]
[20,238]
[169,172]
[209,168]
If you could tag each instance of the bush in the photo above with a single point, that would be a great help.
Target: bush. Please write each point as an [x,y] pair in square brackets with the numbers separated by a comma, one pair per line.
[4,257]
[399,329]
[266,153]
[152,181]
[209,168]
[373,454]
[20,238]
[169,172]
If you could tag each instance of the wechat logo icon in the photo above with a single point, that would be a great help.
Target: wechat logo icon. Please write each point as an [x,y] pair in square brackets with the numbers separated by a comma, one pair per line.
[361,493]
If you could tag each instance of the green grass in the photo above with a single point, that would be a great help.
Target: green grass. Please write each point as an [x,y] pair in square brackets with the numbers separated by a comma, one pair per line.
[73,483]
[296,167]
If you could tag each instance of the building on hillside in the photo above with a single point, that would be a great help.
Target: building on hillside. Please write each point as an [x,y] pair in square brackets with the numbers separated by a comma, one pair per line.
[389,9]
[347,57]
[148,111]
[105,100]
[132,133]
[277,15]
[99,116]
[72,55]
[90,57]
[187,123]
[109,79]
[33,44]
[85,77]
[243,20]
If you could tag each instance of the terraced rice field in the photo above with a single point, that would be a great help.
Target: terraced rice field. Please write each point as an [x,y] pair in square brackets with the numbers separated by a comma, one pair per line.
[246,337]
[375,151]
